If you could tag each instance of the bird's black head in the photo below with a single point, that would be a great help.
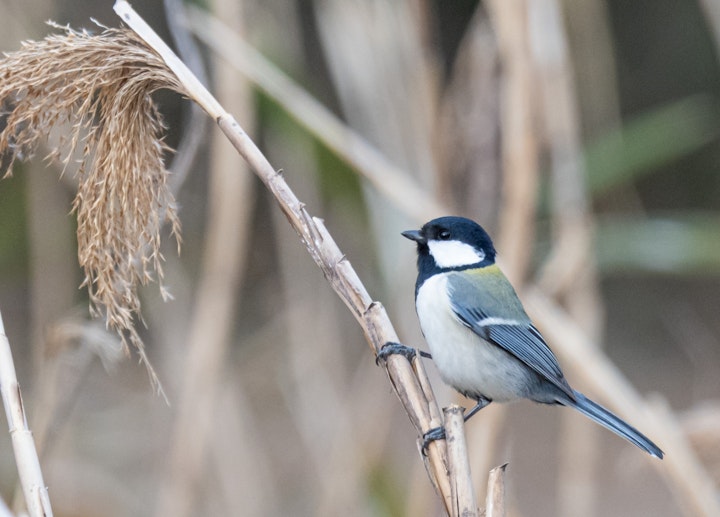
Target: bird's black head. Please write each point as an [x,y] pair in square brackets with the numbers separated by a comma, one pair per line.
[451,243]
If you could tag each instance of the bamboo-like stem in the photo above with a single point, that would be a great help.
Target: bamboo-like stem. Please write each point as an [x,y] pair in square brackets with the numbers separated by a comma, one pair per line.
[439,447]
[495,499]
[464,500]
[319,243]
[26,458]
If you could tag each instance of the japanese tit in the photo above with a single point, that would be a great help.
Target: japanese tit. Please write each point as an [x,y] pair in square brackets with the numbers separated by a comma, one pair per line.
[480,338]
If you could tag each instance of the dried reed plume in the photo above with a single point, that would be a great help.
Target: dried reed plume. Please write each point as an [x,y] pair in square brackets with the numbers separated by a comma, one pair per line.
[94,91]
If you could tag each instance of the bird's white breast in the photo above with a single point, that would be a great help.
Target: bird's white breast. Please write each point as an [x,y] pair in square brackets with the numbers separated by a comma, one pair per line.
[465,360]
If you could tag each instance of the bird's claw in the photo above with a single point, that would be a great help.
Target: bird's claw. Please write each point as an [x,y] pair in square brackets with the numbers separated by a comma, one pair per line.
[436,433]
[392,348]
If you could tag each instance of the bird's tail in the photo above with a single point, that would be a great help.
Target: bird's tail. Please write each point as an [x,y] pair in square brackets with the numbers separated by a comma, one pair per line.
[618,426]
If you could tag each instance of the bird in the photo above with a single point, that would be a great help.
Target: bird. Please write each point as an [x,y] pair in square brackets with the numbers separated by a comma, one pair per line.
[481,340]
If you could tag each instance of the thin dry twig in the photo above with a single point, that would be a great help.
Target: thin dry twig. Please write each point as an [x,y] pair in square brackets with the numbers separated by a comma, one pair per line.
[100,85]
[26,458]
[318,242]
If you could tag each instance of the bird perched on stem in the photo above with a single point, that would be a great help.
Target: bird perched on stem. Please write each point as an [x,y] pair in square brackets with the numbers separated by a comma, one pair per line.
[480,338]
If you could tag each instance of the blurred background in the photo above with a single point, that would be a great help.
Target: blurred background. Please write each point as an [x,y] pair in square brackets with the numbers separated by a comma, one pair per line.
[584,135]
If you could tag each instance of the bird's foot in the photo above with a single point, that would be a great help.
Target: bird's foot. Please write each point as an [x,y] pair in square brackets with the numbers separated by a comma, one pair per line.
[391,348]
[436,433]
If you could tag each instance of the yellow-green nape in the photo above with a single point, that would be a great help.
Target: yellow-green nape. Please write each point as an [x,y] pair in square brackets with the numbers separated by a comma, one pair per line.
[490,270]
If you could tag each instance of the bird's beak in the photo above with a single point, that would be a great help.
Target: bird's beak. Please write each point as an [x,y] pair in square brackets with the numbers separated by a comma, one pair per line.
[415,235]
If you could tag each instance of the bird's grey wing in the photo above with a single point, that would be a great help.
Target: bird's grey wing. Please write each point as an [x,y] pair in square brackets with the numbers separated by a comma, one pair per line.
[500,319]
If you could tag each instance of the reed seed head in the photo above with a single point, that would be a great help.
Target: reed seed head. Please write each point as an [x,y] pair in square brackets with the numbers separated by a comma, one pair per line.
[93,93]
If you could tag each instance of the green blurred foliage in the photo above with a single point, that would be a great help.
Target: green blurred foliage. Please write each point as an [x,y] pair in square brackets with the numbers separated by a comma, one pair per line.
[13,226]
[678,243]
[651,140]
[386,492]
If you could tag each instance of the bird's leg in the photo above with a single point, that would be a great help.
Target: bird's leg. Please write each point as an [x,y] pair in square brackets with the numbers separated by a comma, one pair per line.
[481,403]
[391,348]
[438,433]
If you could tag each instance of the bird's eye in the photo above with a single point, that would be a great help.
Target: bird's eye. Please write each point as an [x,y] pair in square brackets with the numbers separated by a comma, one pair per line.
[444,235]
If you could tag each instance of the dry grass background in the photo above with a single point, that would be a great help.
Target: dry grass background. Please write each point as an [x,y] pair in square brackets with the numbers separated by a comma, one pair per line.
[277,406]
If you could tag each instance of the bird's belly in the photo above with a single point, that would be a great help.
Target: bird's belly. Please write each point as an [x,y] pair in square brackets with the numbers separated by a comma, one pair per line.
[467,362]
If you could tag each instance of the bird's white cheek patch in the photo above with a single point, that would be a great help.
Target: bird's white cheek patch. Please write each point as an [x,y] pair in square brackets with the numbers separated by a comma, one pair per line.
[454,254]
